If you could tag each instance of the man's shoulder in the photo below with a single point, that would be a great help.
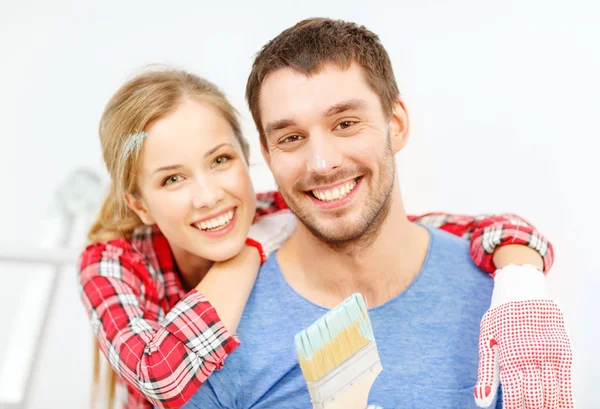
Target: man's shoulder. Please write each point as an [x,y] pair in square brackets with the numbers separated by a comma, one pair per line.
[271,263]
[448,248]
[450,264]
[268,281]
[447,238]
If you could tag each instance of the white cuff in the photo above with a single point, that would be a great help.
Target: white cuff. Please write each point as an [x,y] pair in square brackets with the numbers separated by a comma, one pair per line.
[519,283]
[272,230]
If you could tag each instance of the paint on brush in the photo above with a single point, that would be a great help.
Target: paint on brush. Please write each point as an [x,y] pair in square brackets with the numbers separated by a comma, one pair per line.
[334,338]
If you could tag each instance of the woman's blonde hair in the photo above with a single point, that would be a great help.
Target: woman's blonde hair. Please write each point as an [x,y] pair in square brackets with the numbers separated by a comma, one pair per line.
[141,100]
[138,102]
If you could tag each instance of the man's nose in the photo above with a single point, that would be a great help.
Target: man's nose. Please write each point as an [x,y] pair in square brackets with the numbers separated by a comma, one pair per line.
[324,157]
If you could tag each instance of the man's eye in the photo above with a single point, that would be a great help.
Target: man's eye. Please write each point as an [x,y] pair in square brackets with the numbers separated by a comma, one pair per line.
[292,138]
[345,124]
[172,179]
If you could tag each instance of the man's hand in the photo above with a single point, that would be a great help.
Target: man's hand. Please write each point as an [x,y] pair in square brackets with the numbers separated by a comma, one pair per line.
[524,345]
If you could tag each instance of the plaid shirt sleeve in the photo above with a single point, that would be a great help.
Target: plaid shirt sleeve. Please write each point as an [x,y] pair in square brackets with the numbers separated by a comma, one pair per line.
[268,203]
[167,363]
[485,232]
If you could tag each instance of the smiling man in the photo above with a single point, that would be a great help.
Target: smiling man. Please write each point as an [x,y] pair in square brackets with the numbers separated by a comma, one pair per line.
[325,101]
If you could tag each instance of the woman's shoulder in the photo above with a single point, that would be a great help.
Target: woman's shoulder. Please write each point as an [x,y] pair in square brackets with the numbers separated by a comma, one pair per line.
[129,251]
[122,269]
[133,261]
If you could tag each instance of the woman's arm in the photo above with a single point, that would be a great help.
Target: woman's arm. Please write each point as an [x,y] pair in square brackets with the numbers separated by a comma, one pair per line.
[517,254]
[495,240]
[228,284]
[119,295]
[167,361]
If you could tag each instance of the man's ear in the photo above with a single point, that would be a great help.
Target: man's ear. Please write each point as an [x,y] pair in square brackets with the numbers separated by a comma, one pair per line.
[139,207]
[399,126]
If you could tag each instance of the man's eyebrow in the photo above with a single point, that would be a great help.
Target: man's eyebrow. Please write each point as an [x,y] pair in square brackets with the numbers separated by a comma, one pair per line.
[350,105]
[279,125]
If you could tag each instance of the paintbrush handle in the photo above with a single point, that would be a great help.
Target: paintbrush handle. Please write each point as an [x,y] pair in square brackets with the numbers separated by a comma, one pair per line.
[357,395]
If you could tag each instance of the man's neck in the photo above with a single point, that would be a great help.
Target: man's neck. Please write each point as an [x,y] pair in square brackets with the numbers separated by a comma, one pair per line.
[379,271]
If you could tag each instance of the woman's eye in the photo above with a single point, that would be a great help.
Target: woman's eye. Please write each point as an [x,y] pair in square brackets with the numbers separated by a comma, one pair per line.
[219,160]
[292,138]
[172,179]
[345,124]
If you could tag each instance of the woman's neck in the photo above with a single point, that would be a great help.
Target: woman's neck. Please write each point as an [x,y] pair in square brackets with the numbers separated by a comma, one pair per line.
[191,267]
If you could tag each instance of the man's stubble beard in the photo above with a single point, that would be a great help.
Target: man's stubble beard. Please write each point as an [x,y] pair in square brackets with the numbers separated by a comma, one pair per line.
[366,229]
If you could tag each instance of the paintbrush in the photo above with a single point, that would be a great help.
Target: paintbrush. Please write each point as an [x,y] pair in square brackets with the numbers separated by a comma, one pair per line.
[338,356]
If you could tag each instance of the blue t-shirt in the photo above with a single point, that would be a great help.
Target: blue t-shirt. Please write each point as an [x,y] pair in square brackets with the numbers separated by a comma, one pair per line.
[427,338]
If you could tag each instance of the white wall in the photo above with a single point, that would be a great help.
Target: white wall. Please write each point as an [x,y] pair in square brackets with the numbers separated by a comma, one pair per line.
[503,97]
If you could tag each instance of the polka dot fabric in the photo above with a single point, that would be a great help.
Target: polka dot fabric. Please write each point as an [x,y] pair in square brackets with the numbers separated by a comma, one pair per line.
[524,346]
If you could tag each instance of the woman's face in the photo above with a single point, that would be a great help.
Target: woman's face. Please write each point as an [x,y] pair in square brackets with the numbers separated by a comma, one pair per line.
[194,183]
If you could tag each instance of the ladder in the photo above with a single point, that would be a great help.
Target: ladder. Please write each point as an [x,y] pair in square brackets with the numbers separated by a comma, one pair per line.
[75,201]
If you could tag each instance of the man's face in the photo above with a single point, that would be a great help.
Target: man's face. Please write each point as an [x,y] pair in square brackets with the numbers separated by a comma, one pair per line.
[329,148]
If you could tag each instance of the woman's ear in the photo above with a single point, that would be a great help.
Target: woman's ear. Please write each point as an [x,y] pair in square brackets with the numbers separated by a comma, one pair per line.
[138,206]
[399,126]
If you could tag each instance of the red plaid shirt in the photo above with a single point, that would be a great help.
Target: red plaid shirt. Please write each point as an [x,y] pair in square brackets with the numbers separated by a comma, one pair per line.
[164,343]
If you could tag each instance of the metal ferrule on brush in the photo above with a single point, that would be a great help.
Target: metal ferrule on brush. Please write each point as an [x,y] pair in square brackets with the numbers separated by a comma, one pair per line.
[324,391]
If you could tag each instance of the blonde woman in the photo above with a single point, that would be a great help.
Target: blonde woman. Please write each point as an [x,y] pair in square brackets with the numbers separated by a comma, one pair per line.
[170,265]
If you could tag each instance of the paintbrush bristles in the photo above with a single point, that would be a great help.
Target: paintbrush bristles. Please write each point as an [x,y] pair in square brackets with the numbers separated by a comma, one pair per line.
[334,338]
[333,354]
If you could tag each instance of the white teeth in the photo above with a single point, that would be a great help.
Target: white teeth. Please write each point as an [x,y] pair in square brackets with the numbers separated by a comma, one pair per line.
[215,222]
[335,193]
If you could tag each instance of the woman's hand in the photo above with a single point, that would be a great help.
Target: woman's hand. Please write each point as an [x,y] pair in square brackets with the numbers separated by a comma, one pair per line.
[228,284]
